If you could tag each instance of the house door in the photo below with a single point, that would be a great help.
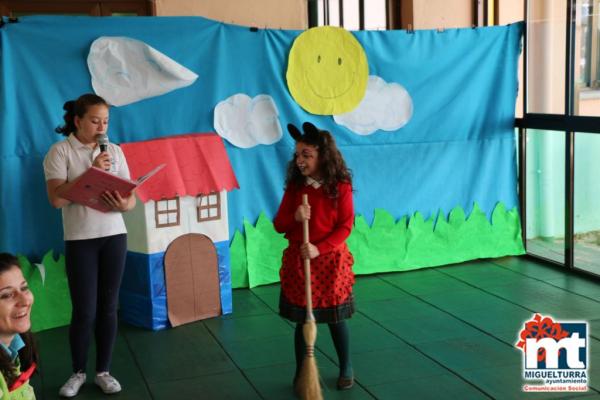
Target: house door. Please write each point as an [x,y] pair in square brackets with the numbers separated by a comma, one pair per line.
[192,278]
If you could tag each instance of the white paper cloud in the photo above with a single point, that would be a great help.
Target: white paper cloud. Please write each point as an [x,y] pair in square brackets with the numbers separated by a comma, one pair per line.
[386,106]
[247,122]
[126,70]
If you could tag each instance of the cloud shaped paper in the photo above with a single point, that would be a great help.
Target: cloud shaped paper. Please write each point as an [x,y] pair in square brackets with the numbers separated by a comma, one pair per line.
[126,70]
[386,106]
[246,122]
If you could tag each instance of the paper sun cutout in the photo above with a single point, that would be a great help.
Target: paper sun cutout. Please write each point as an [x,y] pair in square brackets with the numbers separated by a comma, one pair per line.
[247,122]
[126,70]
[386,106]
[327,71]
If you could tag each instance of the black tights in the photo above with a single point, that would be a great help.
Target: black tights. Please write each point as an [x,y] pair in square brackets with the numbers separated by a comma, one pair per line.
[341,340]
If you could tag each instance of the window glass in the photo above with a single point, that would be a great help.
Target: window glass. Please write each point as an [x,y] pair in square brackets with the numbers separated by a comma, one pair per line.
[334,12]
[587,196]
[351,20]
[545,190]
[375,16]
[546,46]
[587,58]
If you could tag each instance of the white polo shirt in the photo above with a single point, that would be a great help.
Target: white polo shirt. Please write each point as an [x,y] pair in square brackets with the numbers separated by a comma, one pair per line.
[67,160]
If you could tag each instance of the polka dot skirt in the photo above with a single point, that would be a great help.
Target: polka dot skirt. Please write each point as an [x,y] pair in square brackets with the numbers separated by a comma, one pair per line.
[331,277]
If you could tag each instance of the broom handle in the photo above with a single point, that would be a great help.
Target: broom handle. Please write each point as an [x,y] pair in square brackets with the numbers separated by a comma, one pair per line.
[305,239]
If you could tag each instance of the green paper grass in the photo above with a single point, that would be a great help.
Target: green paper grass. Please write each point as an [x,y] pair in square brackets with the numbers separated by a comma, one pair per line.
[264,248]
[388,245]
[52,303]
[435,241]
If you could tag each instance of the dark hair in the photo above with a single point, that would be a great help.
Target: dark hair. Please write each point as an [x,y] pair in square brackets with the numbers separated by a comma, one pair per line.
[28,354]
[78,108]
[332,167]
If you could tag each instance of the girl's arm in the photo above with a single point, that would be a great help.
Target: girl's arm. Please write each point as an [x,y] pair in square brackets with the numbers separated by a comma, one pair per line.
[56,188]
[345,221]
[284,220]
[56,171]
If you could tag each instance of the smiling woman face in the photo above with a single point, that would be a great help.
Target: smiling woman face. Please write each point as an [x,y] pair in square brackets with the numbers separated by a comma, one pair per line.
[15,304]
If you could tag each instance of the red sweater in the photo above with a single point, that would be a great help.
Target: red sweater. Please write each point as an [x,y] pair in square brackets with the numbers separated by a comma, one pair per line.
[331,219]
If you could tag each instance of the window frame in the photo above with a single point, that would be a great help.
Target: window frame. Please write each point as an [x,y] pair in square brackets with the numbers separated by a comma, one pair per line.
[168,211]
[208,207]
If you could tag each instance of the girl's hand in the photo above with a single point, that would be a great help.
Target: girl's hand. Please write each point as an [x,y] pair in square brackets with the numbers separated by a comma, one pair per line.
[302,213]
[115,201]
[102,161]
[309,250]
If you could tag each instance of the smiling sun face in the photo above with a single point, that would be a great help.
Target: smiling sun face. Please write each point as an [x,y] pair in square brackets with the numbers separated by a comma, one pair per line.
[327,71]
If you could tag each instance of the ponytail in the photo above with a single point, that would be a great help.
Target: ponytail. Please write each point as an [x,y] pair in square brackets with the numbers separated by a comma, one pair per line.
[69,119]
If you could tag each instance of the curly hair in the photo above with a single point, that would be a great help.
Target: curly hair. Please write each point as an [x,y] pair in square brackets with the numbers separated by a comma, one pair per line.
[331,165]
[28,354]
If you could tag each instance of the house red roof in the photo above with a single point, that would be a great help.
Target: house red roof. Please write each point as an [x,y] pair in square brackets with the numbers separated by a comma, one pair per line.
[195,164]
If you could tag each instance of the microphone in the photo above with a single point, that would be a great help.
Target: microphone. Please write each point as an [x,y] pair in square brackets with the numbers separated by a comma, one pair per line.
[102,141]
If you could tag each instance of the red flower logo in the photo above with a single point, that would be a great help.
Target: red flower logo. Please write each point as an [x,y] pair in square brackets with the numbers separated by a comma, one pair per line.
[538,328]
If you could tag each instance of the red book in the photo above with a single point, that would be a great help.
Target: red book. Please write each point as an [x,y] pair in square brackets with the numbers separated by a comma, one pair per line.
[89,187]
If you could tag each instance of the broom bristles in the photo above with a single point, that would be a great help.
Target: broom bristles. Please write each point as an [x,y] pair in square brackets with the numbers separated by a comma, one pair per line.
[308,385]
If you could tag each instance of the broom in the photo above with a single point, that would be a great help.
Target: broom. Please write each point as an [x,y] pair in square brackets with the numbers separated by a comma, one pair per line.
[308,386]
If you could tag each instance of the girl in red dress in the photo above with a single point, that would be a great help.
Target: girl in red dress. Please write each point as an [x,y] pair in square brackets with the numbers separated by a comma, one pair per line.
[318,170]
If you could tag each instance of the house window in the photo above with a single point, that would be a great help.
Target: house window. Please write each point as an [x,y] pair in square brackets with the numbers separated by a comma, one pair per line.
[167,212]
[209,207]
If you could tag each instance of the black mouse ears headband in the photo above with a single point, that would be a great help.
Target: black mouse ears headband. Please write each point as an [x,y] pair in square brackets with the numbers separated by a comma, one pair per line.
[311,134]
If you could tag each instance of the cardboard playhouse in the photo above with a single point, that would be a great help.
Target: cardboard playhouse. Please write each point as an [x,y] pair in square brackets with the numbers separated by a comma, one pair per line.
[177,267]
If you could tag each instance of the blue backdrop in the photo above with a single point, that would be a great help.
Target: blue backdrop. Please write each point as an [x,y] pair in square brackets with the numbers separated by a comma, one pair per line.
[458,147]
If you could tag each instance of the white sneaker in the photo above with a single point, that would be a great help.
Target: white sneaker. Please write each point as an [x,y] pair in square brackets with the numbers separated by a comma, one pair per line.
[72,386]
[107,383]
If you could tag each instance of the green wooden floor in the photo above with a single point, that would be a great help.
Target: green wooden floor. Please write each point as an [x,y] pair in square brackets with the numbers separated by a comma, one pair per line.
[440,333]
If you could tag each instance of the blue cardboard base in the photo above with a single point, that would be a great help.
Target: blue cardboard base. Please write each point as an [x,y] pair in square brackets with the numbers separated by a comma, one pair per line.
[143,296]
